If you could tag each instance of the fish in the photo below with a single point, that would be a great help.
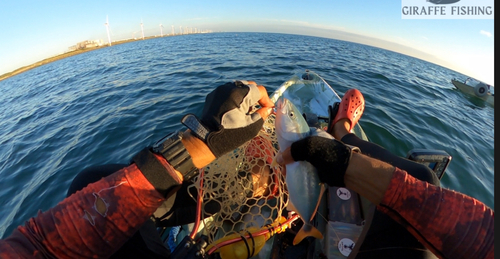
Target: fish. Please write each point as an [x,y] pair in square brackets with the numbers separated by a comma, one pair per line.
[302,180]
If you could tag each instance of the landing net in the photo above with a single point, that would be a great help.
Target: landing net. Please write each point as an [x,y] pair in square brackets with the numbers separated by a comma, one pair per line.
[249,192]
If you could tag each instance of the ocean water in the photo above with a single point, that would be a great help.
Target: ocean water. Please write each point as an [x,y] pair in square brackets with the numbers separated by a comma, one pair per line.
[105,105]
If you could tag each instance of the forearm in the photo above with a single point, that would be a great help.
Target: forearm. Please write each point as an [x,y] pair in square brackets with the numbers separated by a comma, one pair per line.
[96,221]
[93,222]
[368,177]
[450,224]
[199,151]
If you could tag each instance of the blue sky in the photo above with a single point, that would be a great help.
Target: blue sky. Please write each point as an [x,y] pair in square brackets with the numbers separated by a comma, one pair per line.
[34,30]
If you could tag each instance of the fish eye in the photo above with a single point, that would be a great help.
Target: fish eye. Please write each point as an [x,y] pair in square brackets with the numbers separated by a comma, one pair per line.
[292,114]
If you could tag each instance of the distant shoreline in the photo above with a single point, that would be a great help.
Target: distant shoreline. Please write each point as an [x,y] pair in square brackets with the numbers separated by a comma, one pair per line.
[67,54]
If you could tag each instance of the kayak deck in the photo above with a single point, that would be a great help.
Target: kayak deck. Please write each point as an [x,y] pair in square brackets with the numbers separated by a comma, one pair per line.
[342,214]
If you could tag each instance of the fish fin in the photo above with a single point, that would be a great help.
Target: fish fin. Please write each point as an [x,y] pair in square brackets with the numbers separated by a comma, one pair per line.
[290,206]
[307,230]
[274,164]
[323,189]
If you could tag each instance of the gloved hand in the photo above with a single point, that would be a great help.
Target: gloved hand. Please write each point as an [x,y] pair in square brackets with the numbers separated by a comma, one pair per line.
[329,156]
[225,122]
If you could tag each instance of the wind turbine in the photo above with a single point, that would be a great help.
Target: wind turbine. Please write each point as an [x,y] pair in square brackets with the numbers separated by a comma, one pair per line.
[173,32]
[107,29]
[161,30]
[180,29]
[142,29]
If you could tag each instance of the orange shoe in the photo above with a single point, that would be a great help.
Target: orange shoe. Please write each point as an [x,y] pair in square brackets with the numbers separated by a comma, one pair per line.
[351,107]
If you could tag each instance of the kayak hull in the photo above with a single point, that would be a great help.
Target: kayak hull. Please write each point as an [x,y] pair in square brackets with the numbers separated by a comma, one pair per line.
[342,214]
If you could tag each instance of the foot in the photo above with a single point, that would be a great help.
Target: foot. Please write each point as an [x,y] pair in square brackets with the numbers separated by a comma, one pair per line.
[349,111]
[341,128]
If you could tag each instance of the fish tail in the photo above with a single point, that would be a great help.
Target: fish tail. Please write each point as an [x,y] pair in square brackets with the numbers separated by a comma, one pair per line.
[322,190]
[307,230]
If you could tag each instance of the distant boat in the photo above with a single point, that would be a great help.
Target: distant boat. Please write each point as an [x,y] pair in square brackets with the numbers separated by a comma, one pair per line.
[476,88]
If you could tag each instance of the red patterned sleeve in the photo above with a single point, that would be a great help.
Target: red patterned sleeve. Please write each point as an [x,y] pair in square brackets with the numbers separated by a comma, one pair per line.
[93,222]
[449,223]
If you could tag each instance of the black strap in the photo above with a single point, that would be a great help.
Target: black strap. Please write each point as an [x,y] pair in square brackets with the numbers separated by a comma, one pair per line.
[162,176]
[172,149]
[246,243]
[253,244]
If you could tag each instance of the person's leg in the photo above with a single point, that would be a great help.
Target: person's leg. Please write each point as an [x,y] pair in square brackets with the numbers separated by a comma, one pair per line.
[385,238]
[146,243]
[346,119]
[417,170]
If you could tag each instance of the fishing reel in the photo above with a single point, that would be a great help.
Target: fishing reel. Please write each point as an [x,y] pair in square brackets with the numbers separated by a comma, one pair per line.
[191,249]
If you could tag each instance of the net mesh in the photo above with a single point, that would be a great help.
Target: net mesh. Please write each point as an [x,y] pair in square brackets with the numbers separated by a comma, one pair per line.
[250,193]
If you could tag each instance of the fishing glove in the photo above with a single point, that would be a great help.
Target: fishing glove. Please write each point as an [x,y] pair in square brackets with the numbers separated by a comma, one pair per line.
[225,121]
[329,156]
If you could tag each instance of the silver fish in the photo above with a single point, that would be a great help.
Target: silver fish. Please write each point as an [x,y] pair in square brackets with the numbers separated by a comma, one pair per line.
[304,188]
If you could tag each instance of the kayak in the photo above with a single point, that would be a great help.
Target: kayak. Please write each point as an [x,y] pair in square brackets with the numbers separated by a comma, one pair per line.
[311,94]
[342,213]
[343,216]
[475,88]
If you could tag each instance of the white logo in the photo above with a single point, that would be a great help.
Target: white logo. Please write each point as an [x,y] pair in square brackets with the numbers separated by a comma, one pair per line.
[345,246]
[447,9]
[343,193]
